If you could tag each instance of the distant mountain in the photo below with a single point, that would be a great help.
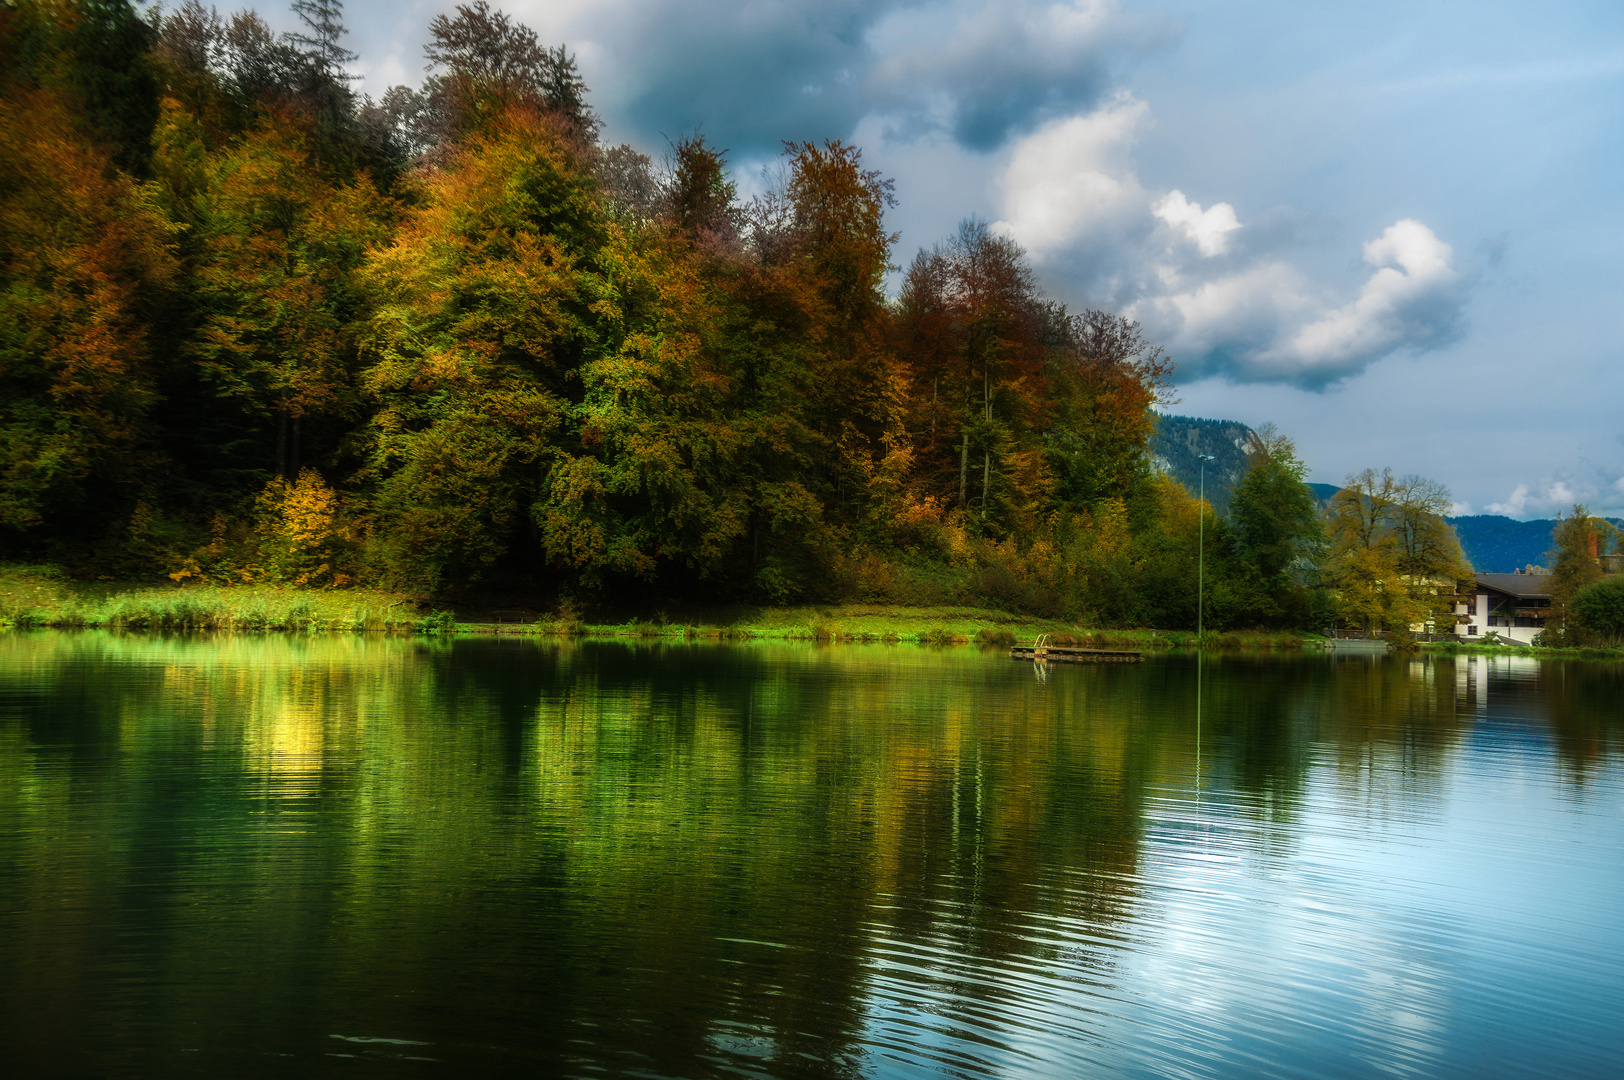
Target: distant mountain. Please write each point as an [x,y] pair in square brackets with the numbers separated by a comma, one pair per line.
[1501,545]
[1180,439]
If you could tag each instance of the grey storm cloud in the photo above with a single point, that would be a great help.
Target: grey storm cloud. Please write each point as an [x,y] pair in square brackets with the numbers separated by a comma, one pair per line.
[752,74]
[747,75]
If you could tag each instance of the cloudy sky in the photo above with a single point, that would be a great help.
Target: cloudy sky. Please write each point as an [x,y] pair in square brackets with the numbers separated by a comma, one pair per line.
[1391,228]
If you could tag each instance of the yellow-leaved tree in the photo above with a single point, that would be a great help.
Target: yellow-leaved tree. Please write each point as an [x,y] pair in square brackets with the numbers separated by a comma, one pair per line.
[1395,562]
[301,534]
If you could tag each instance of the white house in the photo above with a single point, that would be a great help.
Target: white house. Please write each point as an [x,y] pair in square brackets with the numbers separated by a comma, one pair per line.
[1511,605]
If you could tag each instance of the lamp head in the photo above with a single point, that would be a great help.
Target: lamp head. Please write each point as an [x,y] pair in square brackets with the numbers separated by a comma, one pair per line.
[1206,457]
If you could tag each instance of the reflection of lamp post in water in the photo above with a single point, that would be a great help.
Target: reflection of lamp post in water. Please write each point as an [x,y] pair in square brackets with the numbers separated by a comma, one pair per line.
[1201,553]
[1200,612]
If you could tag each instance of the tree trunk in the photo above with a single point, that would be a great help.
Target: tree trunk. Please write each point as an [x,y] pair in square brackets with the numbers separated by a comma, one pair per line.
[282,442]
[964,465]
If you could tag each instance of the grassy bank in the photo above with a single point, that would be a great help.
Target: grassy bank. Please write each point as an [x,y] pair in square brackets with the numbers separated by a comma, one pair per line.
[38,596]
[1447,648]
[879,622]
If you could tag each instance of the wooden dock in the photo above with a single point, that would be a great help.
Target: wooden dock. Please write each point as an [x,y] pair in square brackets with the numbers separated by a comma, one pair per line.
[1072,654]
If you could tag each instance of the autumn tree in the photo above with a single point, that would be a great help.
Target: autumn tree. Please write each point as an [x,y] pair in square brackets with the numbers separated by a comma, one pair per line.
[802,337]
[1576,542]
[644,479]
[699,197]
[1427,550]
[92,58]
[482,316]
[1394,561]
[483,64]
[84,261]
[261,67]
[627,178]
[842,255]
[1107,378]
[1361,565]
[281,240]
[972,334]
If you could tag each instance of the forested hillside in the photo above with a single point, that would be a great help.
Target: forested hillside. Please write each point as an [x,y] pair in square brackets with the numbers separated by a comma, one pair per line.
[1501,545]
[255,328]
[1180,440]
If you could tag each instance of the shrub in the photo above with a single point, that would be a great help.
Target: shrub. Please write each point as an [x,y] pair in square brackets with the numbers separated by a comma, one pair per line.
[1598,609]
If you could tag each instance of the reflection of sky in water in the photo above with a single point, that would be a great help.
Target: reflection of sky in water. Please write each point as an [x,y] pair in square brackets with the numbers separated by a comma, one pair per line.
[1466,928]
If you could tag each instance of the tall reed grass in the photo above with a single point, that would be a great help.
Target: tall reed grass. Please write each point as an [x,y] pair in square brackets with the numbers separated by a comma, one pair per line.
[41,599]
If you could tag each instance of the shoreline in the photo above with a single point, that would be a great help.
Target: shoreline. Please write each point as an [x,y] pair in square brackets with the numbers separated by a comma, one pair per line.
[40,597]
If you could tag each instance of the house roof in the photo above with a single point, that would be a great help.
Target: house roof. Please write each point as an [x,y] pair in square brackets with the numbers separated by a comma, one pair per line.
[1521,586]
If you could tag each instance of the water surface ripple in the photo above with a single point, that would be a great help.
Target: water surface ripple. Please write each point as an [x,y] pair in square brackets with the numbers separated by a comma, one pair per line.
[363,856]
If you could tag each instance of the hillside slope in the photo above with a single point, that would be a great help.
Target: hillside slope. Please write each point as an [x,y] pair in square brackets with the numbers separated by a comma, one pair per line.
[1501,545]
[1180,439]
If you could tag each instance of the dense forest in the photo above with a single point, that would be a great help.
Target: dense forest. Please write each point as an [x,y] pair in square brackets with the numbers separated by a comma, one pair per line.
[257,327]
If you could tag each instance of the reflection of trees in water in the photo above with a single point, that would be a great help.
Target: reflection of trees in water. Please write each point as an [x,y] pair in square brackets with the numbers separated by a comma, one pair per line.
[1393,728]
[1386,725]
[1583,702]
[835,808]
[374,814]
[610,856]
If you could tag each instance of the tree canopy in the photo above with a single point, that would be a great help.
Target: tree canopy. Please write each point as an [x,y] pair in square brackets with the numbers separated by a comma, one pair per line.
[254,325]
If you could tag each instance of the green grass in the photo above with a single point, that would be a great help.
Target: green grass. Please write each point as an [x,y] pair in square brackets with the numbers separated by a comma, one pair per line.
[887,623]
[39,596]
[1582,653]
[1189,639]
[838,622]
[42,596]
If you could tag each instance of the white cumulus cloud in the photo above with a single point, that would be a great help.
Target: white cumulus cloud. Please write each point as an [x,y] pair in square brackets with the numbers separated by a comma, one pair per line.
[1240,312]
[1586,484]
[1412,298]
[1208,229]
[1070,181]
[1071,197]
[1546,499]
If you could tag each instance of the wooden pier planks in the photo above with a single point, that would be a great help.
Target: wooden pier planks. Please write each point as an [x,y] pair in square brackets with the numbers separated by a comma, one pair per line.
[1072,654]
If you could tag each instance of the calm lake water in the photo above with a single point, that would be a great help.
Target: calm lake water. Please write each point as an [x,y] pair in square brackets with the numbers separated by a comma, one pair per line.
[288,856]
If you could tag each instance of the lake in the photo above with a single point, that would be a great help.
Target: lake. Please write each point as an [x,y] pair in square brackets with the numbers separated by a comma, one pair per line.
[379,856]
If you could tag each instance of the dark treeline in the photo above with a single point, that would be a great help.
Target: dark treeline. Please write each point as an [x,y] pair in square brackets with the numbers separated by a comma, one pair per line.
[258,327]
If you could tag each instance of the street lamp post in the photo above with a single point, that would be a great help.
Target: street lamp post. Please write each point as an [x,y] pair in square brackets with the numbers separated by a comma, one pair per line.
[1201,553]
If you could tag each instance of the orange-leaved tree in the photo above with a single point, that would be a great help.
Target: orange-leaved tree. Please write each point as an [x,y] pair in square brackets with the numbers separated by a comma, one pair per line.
[84,256]
[973,333]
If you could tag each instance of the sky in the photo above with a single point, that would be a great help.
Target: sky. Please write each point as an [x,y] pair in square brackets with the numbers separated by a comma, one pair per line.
[1392,229]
